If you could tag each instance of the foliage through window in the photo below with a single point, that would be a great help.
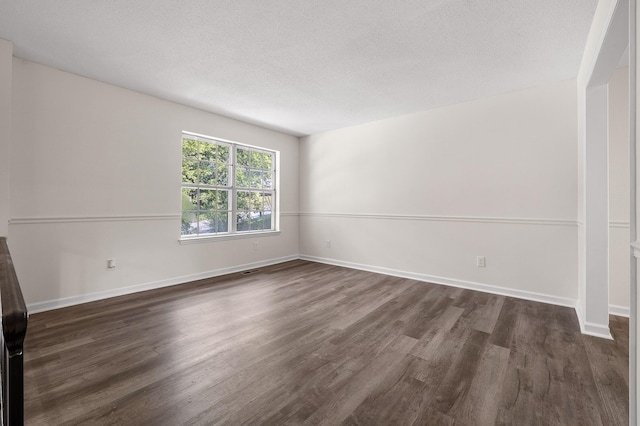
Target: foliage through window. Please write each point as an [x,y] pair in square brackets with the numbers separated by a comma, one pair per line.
[227,188]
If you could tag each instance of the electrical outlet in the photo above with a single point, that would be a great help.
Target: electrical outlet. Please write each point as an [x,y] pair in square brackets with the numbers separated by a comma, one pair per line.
[111,264]
[328,243]
[481,262]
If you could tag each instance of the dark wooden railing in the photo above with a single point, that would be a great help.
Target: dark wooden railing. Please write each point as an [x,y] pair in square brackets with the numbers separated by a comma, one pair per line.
[14,328]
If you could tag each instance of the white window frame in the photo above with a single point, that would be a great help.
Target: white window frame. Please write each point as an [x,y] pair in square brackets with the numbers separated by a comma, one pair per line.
[233,188]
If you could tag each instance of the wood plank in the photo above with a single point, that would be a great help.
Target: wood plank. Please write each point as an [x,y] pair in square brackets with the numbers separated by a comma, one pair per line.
[609,365]
[480,406]
[306,343]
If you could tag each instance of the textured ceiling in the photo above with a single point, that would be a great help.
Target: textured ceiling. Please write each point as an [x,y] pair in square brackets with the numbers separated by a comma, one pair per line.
[304,66]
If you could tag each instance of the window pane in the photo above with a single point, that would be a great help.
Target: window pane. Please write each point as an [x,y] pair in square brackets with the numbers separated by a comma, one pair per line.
[255,201]
[264,221]
[222,175]
[267,201]
[223,154]
[243,157]
[256,179]
[189,171]
[257,160]
[208,151]
[222,221]
[256,211]
[207,223]
[267,180]
[208,199]
[243,200]
[189,148]
[207,173]
[223,200]
[267,208]
[189,199]
[257,220]
[189,223]
[243,221]
[242,177]
[268,161]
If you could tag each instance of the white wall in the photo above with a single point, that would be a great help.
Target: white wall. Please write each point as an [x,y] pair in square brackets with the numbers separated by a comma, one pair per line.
[6,51]
[619,191]
[424,194]
[95,174]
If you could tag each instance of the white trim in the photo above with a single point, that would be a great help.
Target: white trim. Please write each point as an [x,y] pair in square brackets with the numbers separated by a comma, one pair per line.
[633,173]
[517,221]
[90,297]
[227,141]
[620,311]
[114,218]
[226,237]
[619,224]
[470,285]
[636,249]
[592,329]
[77,219]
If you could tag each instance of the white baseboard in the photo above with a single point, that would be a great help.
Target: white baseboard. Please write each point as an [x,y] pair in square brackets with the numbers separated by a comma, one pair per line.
[592,329]
[48,305]
[588,328]
[620,311]
[486,288]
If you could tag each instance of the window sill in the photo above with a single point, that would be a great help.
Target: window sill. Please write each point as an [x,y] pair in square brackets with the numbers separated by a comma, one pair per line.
[227,237]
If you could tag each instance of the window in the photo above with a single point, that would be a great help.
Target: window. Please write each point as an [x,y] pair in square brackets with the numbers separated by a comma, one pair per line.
[227,188]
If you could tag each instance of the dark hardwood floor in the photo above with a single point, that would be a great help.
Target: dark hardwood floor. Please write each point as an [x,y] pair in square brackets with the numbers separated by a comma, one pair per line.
[306,343]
